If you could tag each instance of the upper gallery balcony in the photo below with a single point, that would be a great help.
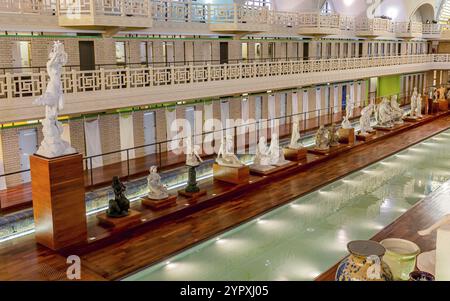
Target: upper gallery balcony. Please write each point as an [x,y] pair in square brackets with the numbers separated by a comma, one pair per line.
[17,14]
[316,24]
[409,30]
[371,28]
[105,14]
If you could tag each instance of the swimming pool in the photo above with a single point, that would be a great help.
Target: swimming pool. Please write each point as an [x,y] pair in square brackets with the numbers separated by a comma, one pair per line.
[303,239]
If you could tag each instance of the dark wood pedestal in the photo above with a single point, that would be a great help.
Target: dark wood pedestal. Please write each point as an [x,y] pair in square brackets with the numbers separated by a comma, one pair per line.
[193,196]
[366,136]
[232,175]
[159,204]
[347,136]
[443,105]
[295,154]
[120,223]
[58,201]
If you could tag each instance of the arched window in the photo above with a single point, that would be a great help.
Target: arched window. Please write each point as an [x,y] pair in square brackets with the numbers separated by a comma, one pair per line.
[327,8]
[262,3]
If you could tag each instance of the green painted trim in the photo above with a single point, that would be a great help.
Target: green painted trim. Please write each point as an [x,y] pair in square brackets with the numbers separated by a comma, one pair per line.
[51,36]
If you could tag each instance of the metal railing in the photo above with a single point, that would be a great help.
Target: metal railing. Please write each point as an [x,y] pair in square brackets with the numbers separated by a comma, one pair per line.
[16,86]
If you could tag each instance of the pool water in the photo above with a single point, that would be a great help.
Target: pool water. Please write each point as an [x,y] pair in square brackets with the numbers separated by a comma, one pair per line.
[303,239]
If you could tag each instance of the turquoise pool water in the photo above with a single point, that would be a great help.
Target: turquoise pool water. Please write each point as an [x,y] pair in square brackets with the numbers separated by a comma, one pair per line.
[303,239]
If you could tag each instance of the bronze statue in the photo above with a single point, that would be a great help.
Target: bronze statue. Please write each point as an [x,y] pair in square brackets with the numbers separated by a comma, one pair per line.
[120,206]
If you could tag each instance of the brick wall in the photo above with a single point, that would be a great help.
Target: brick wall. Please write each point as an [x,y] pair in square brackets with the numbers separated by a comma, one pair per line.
[110,137]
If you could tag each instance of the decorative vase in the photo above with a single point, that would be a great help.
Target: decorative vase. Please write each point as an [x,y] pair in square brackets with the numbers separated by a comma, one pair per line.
[364,263]
[400,257]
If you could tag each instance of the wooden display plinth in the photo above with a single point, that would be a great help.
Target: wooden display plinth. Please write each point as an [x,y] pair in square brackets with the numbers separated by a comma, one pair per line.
[384,129]
[274,169]
[320,152]
[159,204]
[295,154]
[119,223]
[365,137]
[59,204]
[347,136]
[232,175]
[412,119]
[192,195]
[443,105]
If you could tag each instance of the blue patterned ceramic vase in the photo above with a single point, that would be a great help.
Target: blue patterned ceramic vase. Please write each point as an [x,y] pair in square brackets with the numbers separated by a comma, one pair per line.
[364,263]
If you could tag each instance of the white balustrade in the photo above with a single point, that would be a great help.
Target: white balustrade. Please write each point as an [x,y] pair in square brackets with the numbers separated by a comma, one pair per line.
[13,85]
[135,8]
[43,7]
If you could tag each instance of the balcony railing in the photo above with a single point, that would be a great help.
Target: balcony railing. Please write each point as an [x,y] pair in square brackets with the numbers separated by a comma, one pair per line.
[41,7]
[135,8]
[13,86]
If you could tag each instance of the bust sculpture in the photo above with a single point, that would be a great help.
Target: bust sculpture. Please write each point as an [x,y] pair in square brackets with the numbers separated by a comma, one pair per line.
[276,153]
[322,139]
[262,157]
[120,205]
[295,137]
[414,103]
[333,135]
[397,112]
[193,159]
[53,145]
[157,191]
[364,121]
[226,156]
[385,113]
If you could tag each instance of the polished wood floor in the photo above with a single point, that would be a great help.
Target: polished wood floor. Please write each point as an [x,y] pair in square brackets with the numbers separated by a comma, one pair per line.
[23,260]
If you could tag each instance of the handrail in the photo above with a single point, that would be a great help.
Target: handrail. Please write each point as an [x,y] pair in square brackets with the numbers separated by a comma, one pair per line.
[13,86]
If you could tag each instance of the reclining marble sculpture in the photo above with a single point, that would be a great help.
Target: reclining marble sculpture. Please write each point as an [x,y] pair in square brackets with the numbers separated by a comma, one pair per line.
[364,121]
[262,157]
[295,137]
[322,139]
[397,112]
[193,159]
[53,145]
[157,190]
[226,156]
[120,205]
[385,114]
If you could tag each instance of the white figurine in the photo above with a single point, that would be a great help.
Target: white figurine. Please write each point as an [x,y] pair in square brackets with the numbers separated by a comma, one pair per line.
[322,139]
[397,112]
[53,145]
[157,190]
[295,137]
[226,156]
[262,157]
[414,103]
[419,106]
[385,113]
[192,157]
[448,94]
[276,153]
[350,107]
[364,121]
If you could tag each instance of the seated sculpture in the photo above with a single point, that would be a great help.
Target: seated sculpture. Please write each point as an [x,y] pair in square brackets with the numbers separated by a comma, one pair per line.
[333,135]
[397,112]
[295,137]
[385,114]
[322,139]
[226,156]
[262,157]
[157,191]
[193,159]
[120,206]
[364,121]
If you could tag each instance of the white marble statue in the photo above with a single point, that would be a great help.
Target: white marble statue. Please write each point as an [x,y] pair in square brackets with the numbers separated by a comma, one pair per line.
[397,112]
[53,145]
[385,114]
[448,94]
[346,124]
[276,153]
[414,104]
[226,156]
[295,137]
[333,135]
[192,156]
[262,157]
[419,106]
[364,121]
[322,139]
[157,191]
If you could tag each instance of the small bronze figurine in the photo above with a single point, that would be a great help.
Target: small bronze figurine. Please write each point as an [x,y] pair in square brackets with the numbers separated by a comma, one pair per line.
[120,206]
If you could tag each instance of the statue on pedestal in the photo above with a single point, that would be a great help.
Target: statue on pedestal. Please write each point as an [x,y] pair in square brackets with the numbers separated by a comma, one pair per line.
[441,91]
[385,114]
[333,135]
[192,156]
[346,124]
[120,205]
[53,145]
[364,121]
[226,156]
[276,153]
[295,137]
[419,106]
[414,103]
[262,157]
[157,190]
[397,112]
[322,139]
